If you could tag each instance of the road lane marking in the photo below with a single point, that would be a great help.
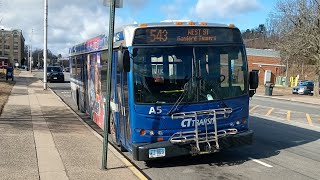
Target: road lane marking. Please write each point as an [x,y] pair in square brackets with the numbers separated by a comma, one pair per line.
[252,109]
[288,115]
[260,162]
[309,119]
[269,112]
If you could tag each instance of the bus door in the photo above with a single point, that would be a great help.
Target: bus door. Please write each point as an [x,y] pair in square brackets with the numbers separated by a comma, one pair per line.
[85,83]
[122,88]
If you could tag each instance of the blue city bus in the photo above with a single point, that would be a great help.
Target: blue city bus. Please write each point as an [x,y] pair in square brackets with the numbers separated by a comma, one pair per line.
[177,88]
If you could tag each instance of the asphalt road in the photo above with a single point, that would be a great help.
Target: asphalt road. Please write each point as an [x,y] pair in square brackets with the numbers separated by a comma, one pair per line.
[283,149]
[291,112]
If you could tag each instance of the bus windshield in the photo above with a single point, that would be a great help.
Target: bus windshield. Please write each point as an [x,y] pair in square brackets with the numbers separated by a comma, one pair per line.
[194,74]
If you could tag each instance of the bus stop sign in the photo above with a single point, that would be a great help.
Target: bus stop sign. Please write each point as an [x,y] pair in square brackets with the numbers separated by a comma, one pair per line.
[118,3]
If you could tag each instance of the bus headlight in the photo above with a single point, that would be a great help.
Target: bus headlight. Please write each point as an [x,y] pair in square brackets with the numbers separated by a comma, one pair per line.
[151,133]
[142,132]
[160,133]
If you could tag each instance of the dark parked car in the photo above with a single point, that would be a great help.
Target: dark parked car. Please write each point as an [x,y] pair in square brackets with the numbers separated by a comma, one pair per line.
[305,87]
[302,81]
[55,74]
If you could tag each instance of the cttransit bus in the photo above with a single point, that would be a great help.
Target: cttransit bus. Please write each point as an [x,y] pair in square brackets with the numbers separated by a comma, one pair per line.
[179,88]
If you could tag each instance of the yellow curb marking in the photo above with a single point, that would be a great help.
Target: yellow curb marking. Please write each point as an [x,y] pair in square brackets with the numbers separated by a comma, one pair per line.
[288,115]
[309,119]
[269,112]
[252,109]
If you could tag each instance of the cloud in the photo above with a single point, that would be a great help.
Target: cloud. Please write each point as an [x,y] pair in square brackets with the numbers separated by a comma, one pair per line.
[136,4]
[73,21]
[69,21]
[172,10]
[226,8]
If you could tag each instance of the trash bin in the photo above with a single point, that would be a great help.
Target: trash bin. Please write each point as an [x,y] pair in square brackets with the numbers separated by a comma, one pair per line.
[268,89]
[9,73]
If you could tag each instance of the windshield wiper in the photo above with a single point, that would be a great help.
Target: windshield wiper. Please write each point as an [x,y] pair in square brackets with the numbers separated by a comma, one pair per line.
[181,97]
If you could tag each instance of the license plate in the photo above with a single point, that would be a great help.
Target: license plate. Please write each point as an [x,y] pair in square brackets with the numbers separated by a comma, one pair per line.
[159,152]
[55,78]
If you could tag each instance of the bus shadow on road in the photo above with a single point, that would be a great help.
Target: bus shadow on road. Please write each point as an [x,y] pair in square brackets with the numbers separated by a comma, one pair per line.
[270,139]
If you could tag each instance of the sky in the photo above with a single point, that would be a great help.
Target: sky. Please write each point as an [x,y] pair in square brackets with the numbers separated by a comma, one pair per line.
[74,21]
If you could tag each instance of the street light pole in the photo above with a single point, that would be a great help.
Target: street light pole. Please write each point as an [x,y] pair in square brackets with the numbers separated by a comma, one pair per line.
[45,45]
[108,83]
[31,57]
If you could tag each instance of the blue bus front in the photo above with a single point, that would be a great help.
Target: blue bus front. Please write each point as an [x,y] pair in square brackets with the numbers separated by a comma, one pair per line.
[189,97]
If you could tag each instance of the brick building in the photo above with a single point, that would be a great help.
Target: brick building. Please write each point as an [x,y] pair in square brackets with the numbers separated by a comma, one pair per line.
[264,60]
[11,46]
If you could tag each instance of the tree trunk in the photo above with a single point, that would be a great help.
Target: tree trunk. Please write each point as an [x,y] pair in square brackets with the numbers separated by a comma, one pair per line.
[316,87]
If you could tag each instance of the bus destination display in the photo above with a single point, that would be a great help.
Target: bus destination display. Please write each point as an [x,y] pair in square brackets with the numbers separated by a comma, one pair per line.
[185,35]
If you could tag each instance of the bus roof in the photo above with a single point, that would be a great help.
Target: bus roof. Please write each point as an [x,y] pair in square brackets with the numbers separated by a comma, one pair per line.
[125,34]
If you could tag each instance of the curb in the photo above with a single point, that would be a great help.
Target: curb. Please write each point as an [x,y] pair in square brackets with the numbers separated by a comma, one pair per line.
[288,99]
[111,147]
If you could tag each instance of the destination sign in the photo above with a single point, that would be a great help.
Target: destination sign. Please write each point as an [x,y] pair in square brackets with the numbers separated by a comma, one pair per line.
[186,35]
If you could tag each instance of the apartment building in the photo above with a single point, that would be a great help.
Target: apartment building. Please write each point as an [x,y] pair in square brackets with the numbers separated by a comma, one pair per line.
[11,46]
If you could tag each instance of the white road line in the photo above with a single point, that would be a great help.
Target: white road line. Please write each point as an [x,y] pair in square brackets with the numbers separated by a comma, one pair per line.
[260,162]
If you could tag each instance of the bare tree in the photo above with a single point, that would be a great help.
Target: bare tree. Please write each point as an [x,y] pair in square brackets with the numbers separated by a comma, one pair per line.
[295,26]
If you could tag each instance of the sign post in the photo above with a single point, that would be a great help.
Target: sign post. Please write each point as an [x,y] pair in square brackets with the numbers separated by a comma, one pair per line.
[45,51]
[112,5]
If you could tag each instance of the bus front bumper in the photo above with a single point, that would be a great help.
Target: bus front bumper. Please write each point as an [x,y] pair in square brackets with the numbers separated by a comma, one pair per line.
[140,151]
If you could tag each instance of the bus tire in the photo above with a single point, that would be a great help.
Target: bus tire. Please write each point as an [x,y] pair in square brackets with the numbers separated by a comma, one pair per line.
[122,148]
[77,97]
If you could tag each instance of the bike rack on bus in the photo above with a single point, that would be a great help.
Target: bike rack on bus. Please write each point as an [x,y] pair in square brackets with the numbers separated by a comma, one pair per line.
[202,137]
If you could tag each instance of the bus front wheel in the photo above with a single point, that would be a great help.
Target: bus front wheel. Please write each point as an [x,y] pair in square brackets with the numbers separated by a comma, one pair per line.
[77,97]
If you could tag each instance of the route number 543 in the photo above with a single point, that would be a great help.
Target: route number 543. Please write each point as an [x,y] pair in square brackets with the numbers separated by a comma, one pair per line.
[158,35]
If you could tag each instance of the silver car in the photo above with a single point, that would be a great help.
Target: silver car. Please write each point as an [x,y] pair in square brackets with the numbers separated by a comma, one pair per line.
[305,87]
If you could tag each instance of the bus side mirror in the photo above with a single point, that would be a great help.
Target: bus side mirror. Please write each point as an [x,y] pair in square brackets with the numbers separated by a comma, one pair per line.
[253,82]
[124,61]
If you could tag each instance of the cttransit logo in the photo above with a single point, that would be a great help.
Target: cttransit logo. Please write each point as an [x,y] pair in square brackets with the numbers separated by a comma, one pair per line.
[201,122]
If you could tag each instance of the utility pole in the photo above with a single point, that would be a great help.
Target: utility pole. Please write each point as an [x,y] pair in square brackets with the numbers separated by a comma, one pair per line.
[112,4]
[38,60]
[30,58]
[45,45]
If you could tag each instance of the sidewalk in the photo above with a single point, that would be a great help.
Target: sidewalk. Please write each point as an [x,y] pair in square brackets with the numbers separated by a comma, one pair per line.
[40,138]
[285,93]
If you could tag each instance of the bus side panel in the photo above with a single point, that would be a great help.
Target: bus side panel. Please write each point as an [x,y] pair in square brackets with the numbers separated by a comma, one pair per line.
[87,83]
[114,98]
[94,86]
[74,88]
[82,86]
